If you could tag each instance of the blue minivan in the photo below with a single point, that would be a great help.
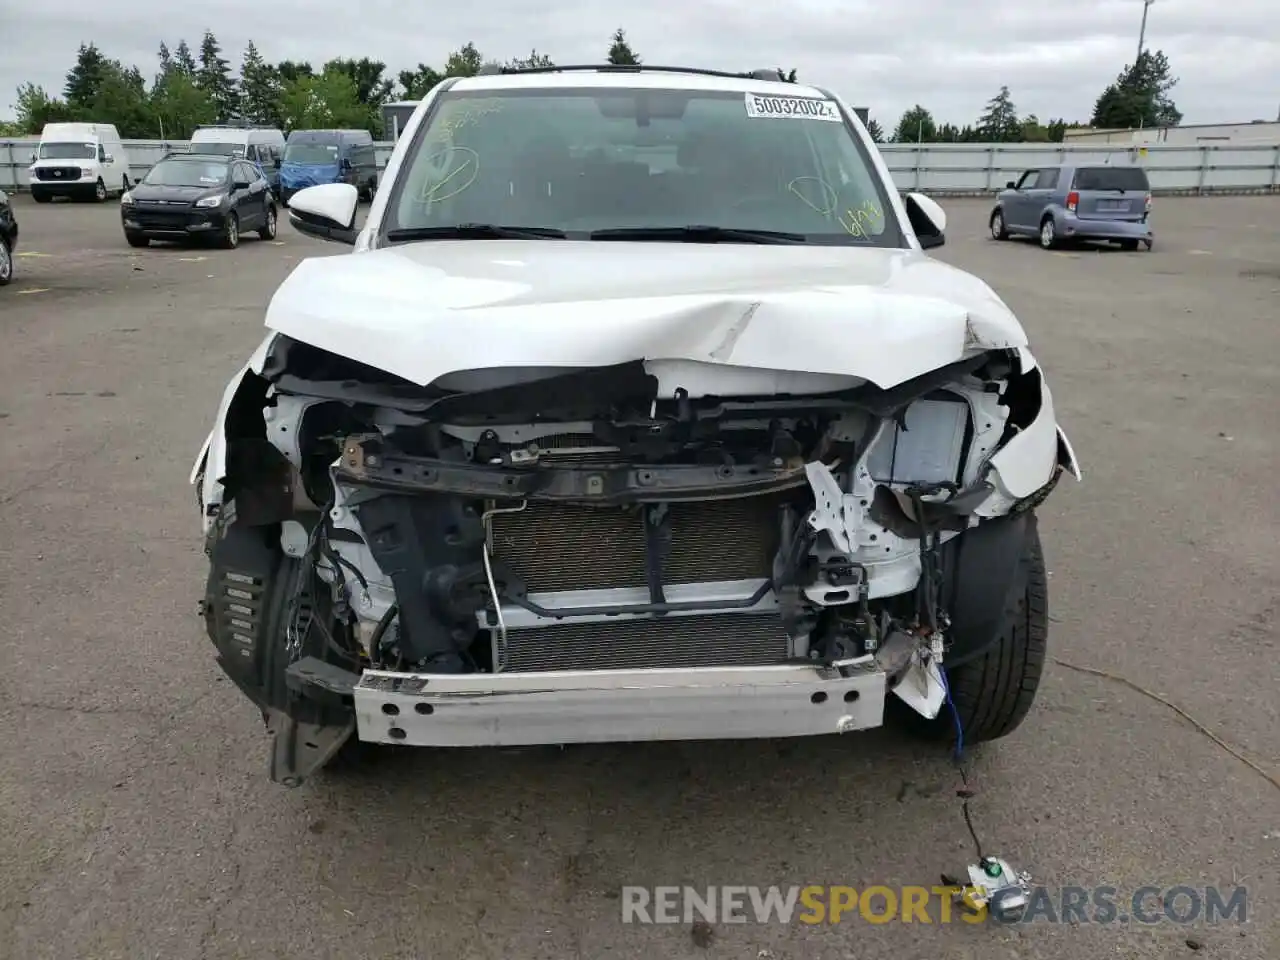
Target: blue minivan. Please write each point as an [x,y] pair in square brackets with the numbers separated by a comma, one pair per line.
[313,157]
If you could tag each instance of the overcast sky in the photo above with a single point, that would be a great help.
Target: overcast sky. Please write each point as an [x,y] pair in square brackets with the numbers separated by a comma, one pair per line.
[949,55]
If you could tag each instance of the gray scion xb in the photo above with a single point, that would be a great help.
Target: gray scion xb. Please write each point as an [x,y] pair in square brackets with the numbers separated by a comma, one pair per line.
[1077,202]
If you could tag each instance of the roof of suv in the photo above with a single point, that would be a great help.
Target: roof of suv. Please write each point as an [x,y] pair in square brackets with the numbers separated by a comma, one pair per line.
[1097,164]
[197,155]
[653,79]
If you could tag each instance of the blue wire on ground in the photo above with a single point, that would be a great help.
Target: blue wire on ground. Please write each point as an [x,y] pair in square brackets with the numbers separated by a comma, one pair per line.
[966,792]
[955,714]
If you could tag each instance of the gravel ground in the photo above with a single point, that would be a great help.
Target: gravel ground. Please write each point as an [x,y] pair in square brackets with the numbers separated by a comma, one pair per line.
[136,818]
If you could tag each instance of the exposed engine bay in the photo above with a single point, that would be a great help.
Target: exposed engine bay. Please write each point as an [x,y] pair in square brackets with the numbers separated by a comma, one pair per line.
[596,521]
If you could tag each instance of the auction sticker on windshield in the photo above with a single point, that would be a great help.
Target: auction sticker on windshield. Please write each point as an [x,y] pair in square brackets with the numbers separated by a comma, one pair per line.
[802,108]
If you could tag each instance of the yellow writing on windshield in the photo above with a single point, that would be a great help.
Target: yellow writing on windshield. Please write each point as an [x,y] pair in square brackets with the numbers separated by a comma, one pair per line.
[454,169]
[863,221]
[825,200]
[468,115]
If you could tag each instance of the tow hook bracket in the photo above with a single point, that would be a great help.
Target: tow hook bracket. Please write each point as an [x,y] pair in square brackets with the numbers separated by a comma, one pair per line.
[318,680]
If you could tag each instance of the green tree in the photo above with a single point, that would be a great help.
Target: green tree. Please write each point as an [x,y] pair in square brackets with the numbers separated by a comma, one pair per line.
[167,65]
[259,88]
[1140,95]
[325,101]
[84,78]
[35,108]
[373,89]
[180,106]
[290,70]
[1033,131]
[620,51]
[533,61]
[463,62]
[916,124]
[873,128]
[121,99]
[183,59]
[419,82]
[214,77]
[999,124]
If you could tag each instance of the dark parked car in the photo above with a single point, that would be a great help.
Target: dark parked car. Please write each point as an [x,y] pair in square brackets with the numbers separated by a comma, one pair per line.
[8,238]
[1070,202]
[192,196]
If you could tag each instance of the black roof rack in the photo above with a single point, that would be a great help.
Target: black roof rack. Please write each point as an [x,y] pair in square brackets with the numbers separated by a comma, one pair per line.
[768,73]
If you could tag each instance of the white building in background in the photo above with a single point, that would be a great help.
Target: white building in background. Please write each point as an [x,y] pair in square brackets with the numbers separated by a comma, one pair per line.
[1258,132]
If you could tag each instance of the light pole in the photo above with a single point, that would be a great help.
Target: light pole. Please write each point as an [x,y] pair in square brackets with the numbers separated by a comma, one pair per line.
[1142,33]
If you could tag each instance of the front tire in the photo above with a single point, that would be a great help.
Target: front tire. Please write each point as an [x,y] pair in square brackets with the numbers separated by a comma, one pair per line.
[137,240]
[40,197]
[6,263]
[1129,245]
[231,232]
[268,229]
[100,192]
[999,229]
[994,692]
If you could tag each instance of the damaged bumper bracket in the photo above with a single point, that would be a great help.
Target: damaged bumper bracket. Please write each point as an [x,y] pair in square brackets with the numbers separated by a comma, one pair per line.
[440,710]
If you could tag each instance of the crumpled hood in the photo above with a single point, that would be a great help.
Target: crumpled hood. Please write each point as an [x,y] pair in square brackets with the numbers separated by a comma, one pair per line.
[296,176]
[425,310]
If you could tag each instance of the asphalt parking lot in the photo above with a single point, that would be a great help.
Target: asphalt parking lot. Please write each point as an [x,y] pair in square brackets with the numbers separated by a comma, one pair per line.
[137,820]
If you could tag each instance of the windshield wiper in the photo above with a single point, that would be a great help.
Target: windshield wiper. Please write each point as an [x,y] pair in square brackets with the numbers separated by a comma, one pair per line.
[697,233]
[475,231]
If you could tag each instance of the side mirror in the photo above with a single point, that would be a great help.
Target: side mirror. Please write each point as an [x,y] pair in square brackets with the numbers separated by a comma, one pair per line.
[33,156]
[346,163]
[1011,185]
[326,211]
[276,163]
[241,185]
[927,220]
[108,158]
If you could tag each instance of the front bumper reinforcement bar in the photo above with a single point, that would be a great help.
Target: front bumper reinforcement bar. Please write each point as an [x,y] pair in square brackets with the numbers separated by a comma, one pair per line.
[601,706]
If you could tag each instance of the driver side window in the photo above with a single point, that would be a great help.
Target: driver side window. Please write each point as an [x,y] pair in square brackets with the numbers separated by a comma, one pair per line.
[1027,180]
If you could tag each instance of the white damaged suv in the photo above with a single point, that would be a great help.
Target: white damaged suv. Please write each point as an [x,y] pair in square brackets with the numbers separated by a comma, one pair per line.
[638,413]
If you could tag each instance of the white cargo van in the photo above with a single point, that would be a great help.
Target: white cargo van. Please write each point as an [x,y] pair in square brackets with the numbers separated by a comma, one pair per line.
[261,146]
[79,160]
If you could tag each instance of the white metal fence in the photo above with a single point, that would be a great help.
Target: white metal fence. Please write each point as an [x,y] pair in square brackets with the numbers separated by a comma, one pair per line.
[943,169]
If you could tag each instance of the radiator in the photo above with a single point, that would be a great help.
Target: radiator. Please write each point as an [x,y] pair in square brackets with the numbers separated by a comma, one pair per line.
[555,547]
